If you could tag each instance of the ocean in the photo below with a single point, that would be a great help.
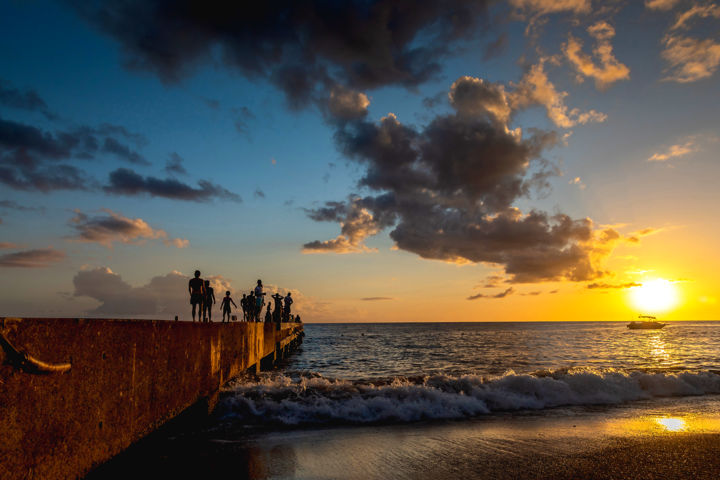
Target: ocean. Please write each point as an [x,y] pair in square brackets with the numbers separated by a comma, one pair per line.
[465,400]
[369,373]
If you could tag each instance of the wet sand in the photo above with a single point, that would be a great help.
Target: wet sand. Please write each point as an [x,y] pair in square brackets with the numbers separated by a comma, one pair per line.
[670,440]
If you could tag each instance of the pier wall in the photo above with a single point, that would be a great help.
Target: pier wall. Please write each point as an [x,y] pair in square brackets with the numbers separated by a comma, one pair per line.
[127,377]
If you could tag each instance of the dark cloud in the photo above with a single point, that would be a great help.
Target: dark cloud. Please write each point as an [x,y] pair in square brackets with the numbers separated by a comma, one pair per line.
[496,47]
[300,46]
[258,193]
[126,182]
[243,117]
[502,294]
[113,227]
[435,100]
[123,151]
[447,191]
[375,299]
[13,205]
[37,258]
[610,286]
[23,100]
[174,165]
[33,159]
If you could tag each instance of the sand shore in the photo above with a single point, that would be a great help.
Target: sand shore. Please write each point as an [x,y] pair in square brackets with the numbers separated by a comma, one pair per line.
[671,440]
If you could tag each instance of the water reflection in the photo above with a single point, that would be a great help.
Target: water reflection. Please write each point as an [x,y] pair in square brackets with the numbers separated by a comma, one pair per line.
[672,424]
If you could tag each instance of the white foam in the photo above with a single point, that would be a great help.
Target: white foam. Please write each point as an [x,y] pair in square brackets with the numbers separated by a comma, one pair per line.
[313,400]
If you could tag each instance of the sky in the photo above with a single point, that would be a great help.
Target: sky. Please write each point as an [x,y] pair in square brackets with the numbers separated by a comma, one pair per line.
[526,160]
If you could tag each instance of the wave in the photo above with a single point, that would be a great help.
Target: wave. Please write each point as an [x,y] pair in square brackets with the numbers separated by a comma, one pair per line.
[317,400]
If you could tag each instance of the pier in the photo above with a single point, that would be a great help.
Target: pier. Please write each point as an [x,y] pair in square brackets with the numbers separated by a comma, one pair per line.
[76,392]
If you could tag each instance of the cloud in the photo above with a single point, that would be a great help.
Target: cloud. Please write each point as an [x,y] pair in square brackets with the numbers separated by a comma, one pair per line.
[8,245]
[126,182]
[608,70]
[37,258]
[356,224]
[23,100]
[496,48]
[546,7]
[661,4]
[114,227]
[375,299]
[476,97]
[536,89]
[696,11]
[678,150]
[243,115]
[33,159]
[578,181]
[13,205]
[301,47]
[609,286]
[346,104]
[174,165]
[123,151]
[212,103]
[446,191]
[690,59]
[258,193]
[502,294]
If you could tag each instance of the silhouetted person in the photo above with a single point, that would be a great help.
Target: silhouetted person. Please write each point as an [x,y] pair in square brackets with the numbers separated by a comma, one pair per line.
[286,310]
[225,306]
[297,319]
[243,304]
[208,302]
[251,306]
[268,315]
[277,314]
[259,300]
[196,287]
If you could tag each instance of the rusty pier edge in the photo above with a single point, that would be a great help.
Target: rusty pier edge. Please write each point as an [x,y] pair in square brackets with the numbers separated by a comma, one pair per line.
[74,392]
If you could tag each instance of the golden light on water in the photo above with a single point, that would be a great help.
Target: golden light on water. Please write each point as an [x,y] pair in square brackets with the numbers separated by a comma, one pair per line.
[654,296]
[672,424]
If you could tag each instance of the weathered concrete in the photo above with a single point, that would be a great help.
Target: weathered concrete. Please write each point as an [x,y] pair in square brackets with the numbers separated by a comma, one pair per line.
[127,377]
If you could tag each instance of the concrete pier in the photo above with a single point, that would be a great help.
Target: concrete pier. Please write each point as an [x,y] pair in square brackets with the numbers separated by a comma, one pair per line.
[82,390]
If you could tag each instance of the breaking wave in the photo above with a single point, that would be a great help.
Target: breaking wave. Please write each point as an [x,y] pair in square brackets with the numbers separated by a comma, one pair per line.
[314,399]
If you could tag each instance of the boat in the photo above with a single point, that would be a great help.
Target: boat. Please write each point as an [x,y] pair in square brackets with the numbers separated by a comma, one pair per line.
[645,322]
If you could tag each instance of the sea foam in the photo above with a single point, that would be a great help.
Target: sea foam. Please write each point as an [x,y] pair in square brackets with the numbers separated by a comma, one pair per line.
[313,399]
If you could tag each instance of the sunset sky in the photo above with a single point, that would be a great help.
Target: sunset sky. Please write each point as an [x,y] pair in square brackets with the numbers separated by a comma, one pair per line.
[383,160]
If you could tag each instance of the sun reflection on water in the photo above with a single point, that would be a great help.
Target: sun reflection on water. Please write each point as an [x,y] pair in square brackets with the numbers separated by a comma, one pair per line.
[672,424]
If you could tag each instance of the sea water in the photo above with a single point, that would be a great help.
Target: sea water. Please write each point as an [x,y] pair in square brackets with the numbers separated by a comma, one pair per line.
[402,373]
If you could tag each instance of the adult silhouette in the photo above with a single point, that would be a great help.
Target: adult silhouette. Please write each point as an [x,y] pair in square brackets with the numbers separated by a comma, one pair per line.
[196,288]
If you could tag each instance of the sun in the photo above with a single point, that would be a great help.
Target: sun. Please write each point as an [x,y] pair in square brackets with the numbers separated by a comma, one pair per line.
[654,296]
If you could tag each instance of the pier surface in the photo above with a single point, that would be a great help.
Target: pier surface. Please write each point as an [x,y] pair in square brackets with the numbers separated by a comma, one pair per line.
[83,390]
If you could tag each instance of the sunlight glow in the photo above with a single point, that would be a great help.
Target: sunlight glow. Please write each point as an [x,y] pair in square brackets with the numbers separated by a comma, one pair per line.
[653,296]
[671,424]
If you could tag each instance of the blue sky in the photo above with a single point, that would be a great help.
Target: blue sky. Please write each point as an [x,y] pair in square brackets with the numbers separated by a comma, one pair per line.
[235,129]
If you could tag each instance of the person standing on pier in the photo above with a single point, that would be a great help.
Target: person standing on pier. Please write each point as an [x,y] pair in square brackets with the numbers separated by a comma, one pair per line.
[196,287]
[259,300]
[251,306]
[243,304]
[268,315]
[225,306]
[286,310]
[277,314]
[208,302]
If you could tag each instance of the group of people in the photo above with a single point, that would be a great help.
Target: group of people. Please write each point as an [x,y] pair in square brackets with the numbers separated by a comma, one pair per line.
[202,298]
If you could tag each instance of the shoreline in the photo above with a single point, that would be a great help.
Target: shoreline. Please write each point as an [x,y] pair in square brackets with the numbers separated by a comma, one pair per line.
[631,441]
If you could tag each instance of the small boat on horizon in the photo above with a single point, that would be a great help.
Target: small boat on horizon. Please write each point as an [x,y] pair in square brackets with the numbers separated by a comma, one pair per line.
[645,322]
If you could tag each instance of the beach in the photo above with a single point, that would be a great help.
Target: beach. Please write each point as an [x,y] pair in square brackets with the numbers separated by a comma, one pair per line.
[670,439]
